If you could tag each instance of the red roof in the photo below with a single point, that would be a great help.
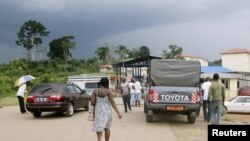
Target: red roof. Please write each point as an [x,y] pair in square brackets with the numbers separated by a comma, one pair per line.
[236,51]
[106,66]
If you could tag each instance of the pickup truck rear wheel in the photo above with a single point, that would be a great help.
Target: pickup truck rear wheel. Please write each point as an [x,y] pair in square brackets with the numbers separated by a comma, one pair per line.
[198,111]
[149,118]
[145,108]
[191,117]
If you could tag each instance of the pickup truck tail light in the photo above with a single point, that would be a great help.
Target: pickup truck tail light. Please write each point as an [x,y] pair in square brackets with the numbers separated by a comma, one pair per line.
[151,92]
[152,96]
[30,99]
[196,97]
[56,98]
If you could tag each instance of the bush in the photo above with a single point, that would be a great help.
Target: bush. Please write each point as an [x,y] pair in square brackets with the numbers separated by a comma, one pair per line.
[44,71]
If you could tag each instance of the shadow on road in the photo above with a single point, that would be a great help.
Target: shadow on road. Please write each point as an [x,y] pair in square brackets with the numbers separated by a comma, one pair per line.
[56,115]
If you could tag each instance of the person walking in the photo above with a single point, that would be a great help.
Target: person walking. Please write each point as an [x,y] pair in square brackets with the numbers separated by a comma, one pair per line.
[20,96]
[206,101]
[138,88]
[102,99]
[217,95]
[131,85]
[125,95]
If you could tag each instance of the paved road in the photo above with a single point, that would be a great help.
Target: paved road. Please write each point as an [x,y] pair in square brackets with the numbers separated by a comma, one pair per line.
[132,127]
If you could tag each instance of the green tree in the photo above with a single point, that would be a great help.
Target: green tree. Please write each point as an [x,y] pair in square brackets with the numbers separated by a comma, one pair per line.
[104,53]
[144,51]
[30,36]
[60,48]
[134,53]
[93,65]
[122,51]
[20,66]
[216,63]
[174,52]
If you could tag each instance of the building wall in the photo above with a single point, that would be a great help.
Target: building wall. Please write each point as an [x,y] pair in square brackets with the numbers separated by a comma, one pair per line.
[105,69]
[236,62]
[244,83]
[234,87]
[232,92]
[202,61]
[232,82]
[102,69]
[248,62]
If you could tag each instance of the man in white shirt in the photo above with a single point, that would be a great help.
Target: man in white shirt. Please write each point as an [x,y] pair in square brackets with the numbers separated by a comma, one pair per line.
[205,87]
[138,88]
[131,85]
[20,96]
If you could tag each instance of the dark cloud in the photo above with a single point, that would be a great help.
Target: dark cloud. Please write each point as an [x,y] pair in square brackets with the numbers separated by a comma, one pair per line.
[204,27]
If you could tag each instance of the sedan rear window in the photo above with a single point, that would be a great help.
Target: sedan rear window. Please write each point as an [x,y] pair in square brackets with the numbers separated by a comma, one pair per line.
[42,88]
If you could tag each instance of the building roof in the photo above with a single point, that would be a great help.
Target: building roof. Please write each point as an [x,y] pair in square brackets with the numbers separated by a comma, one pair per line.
[214,69]
[138,62]
[106,66]
[191,56]
[236,51]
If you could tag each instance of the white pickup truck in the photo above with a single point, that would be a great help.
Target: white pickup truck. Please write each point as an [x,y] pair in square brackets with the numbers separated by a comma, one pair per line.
[174,88]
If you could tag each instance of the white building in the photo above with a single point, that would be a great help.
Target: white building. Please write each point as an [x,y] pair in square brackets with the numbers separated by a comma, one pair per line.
[238,60]
[203,61]
[106,68]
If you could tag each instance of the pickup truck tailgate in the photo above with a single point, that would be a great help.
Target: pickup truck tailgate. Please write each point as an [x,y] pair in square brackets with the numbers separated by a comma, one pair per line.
[174,95]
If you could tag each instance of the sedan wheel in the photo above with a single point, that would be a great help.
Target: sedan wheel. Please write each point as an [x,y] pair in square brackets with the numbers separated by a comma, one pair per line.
[70,110]
[37,114]
[87,108]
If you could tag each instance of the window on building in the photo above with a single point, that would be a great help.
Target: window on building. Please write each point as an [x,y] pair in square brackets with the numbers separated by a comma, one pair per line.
[238,84]
[226,82]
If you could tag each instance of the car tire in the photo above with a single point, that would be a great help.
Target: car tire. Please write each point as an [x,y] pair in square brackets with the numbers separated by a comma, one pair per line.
[70,110]
[145,108]
[191,117]
[87,108]
[198,111]
[149,118]
[37,114]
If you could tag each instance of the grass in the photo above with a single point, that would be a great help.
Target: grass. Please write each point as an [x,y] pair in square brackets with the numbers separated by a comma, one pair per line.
[8,101]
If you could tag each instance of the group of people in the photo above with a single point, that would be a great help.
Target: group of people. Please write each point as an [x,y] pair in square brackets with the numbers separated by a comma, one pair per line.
[131,93]
[102,100]
[213,99]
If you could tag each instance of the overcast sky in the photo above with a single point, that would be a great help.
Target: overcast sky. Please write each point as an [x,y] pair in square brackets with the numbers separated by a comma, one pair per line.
[202,28]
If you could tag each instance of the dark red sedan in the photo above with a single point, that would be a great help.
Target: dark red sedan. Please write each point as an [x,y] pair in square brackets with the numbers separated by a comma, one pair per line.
[56,97]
